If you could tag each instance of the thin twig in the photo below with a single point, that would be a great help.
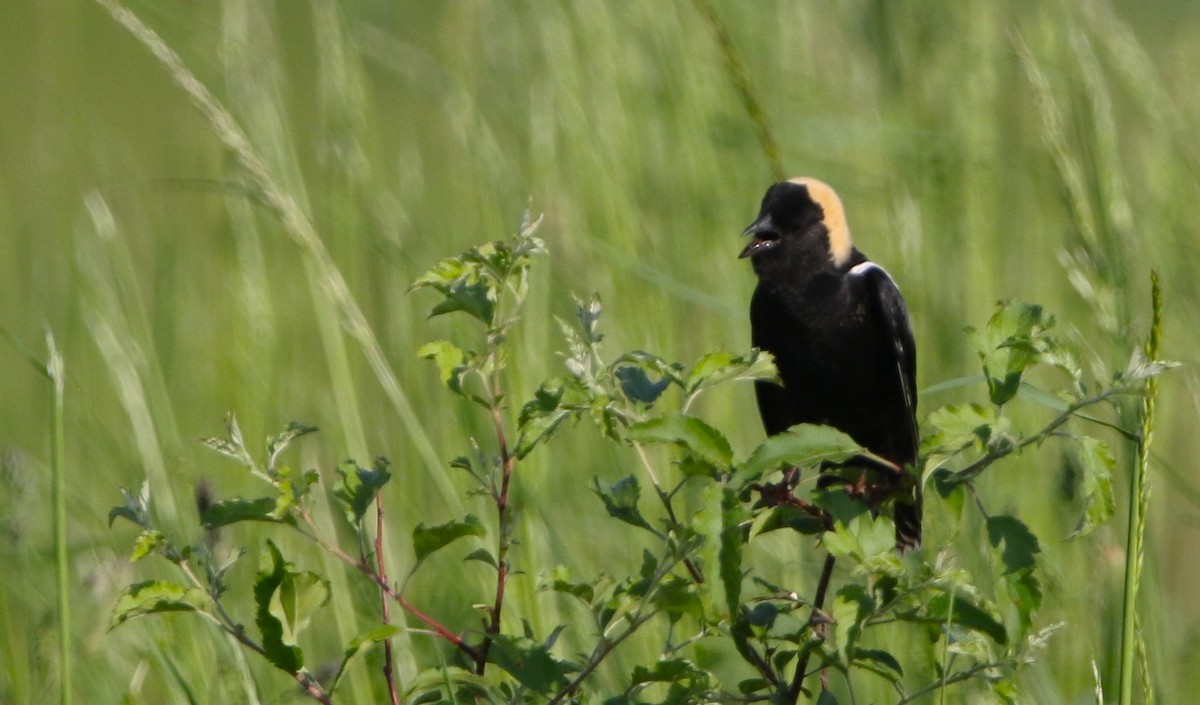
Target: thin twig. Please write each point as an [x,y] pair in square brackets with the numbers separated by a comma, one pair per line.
[385,605]
[973,470]
[665,498]
[963,675]
[227,624]
[383,585]
[818,604]
[507,463]
[602,650]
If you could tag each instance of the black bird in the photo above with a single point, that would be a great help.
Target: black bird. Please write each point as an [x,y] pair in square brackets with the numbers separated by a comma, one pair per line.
[838,329]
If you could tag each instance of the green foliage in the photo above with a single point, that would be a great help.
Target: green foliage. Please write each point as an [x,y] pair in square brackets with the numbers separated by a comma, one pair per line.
[697,577]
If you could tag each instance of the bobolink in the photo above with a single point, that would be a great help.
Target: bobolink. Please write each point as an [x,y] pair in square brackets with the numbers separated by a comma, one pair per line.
[838,329]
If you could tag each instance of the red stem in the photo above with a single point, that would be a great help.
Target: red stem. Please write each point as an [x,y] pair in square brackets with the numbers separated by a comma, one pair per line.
[381,571]
[507,463]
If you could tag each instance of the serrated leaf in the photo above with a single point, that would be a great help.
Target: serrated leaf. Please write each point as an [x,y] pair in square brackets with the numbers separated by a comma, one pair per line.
[637,385]
[667,671]
[530,663]
[539,428]
[430,539]
[719,367]
[558,579]
[676,597]
[147,542]
[621,499]
[878,661]
[1096,465]
[450,361]
[851,606]
[689,433]
[1019,545]
[359,487]
[957,426]
[475,298]
[482,555]
[134,507]
[283,600]
[964,613]
[231,511]
[802,446]
[155,596]
[278,443]
[1015,338]
[359,644]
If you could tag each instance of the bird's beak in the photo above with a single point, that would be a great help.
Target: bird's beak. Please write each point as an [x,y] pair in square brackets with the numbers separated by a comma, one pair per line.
[763,235]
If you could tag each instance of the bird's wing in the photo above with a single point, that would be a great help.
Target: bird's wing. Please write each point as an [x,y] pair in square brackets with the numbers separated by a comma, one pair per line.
[892,316]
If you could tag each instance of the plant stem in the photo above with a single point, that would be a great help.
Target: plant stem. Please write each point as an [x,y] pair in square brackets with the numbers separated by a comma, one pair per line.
[973,470]
[385,606]
[507,463]
[227,624]
[665,498]
[818,603]
[1138,499]
[383,585]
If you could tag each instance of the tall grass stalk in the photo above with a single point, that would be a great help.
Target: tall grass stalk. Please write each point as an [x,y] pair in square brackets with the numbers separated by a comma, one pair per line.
[1139,496]
[745,87]
[58,473]
[296,224]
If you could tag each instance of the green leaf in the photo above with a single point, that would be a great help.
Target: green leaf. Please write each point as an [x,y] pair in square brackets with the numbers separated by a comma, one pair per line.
[272,573]
[826,698]
[154,596]
[856,534]
[429,539]
[964,613]
[278,443]
[802,446]
[134,507]
[359,644]
[450,361]
[482,555]
[147,542]
[231,511]
[851,606]
[621,499]
[558,579]
[719,367]
[1096,465]
[958,426]
[637,385]
[689,433]
[878,661]
[530,663]
[1020,545]
[359,486]
[1015,338]
[677,597]
[670,670]
[475,298]
[555,401]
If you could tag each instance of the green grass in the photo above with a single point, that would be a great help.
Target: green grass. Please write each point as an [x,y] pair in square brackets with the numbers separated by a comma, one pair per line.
[1036,150]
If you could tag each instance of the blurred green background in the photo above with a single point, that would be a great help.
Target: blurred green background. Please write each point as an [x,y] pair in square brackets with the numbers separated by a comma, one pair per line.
[1040,150]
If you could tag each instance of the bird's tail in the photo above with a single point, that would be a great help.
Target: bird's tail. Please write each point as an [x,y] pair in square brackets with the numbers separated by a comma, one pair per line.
[908,522]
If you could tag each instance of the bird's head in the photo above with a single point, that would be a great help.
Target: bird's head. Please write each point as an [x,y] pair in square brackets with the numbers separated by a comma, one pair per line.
[800,229]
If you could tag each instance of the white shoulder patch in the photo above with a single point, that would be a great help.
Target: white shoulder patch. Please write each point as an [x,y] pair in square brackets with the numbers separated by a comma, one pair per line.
[859,270]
